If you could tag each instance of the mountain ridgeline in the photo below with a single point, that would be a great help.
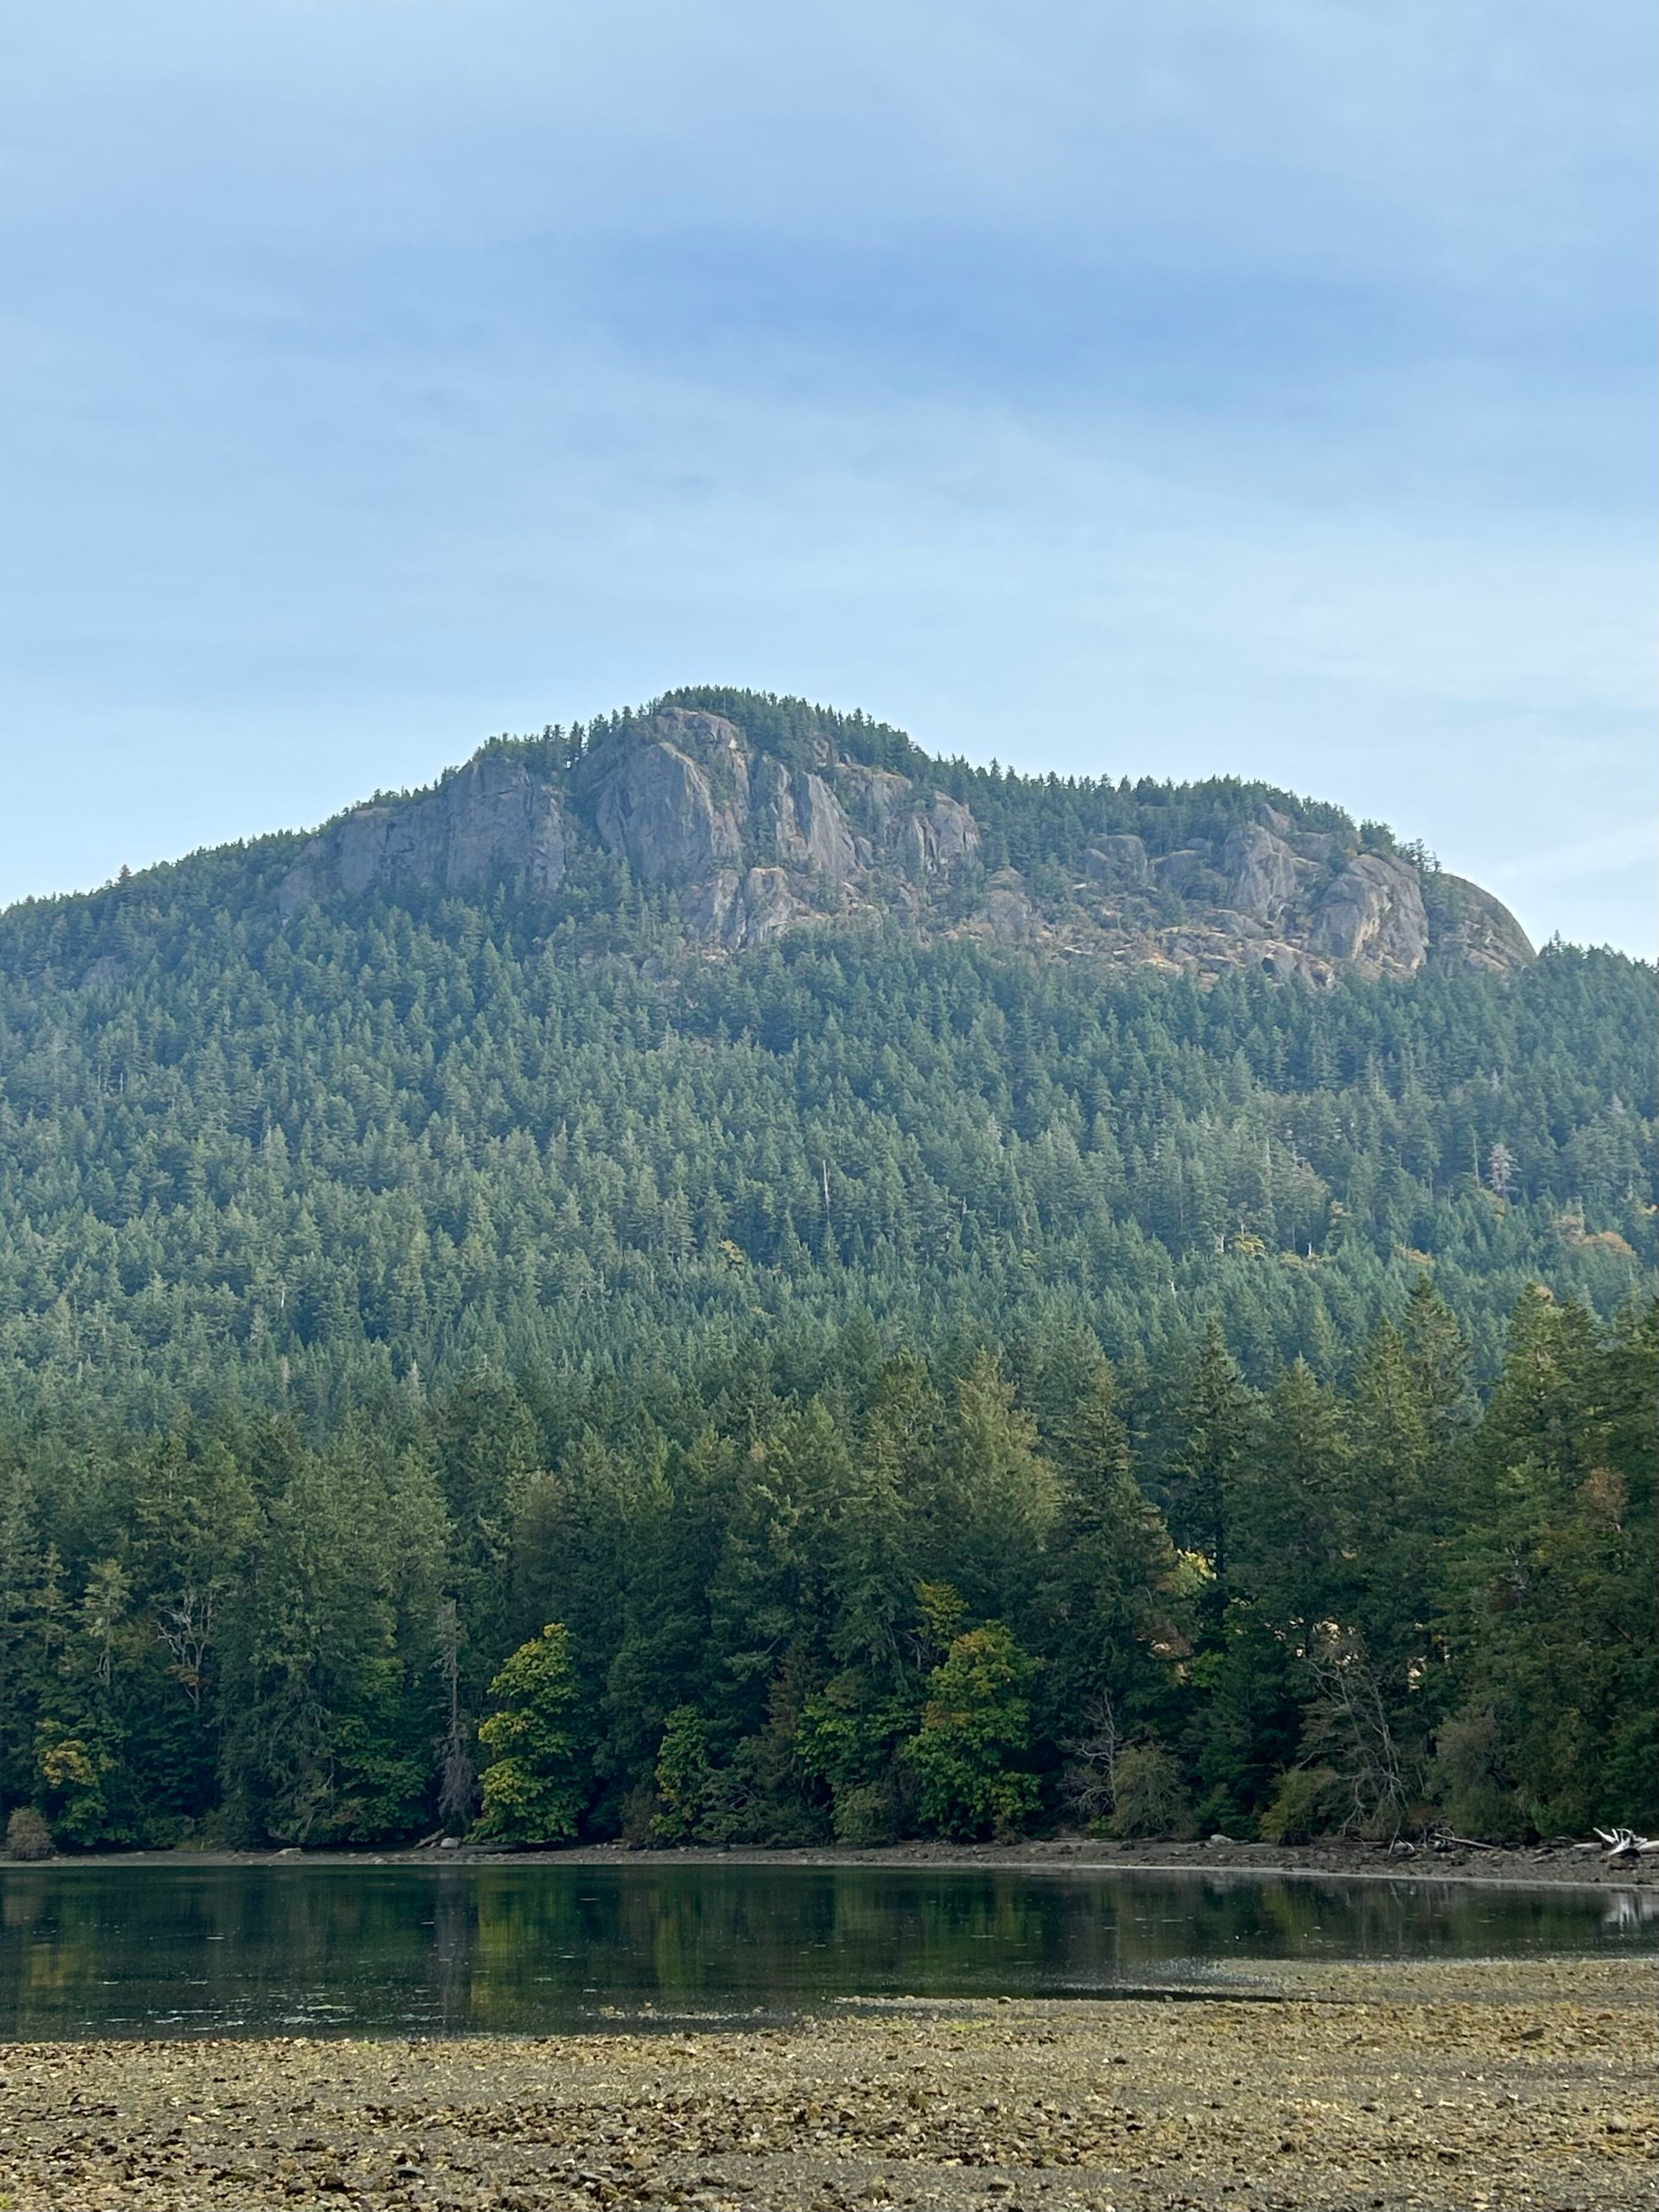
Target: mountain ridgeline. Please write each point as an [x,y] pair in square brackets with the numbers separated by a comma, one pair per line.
[760,817]
[712,1277]
[738,1014]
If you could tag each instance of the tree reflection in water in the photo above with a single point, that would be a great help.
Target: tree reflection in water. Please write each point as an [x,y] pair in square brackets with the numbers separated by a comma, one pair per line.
[100,1949]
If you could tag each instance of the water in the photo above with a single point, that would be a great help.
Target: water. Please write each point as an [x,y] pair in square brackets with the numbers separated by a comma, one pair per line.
[181,1949]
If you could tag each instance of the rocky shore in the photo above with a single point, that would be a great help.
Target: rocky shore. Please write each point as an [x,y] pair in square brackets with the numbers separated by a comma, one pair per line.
[1482,2085]
[1574,1862]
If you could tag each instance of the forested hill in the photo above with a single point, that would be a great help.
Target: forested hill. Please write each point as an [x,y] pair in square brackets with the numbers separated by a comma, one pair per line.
[738,1017]
[751,1285]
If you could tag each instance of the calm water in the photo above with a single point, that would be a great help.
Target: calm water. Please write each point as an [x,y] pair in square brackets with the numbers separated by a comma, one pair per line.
[175,1949]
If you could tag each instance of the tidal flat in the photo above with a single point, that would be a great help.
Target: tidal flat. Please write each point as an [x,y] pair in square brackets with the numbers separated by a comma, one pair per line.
[1479,2084]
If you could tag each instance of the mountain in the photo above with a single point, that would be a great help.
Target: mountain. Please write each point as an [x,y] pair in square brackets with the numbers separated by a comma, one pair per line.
[759,818]
[758,1286]
[738,1013]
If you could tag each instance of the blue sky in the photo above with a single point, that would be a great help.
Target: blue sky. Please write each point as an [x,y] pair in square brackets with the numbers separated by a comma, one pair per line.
[1175,390]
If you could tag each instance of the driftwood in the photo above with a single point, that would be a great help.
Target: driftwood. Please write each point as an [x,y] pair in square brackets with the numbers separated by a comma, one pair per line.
[1626,1844]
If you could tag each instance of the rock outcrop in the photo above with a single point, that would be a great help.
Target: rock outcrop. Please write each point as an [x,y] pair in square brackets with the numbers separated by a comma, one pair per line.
[660,808]
[1262,874]
[748,845]
[1118,863]
[1373,916]
[1182,871]
[1007,912]
[759,845]
[919,832]
[732,910]
[805,824]
[488,820]
[1472,929]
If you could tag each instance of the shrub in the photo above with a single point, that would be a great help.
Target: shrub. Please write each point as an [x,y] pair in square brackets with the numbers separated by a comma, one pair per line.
[28,1836]
[1148,1796]
[975,1722]
[865,1814]
[640,1810]
[1309,1802]
[685,1778]
[1471,1779]
[534,1789]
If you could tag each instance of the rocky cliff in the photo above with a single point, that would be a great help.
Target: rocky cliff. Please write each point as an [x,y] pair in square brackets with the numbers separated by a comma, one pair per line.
[746,843]
[491,819]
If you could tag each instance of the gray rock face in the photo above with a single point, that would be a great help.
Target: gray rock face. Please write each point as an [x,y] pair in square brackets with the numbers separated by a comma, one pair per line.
[825,830]
[1472,929]
[920,832]
[696,800]
[1373,915]
[491,819]
[658,807]
[936,835]
[875,797]
[1262,872]
[730,909]
[753,845]
[801,818]
[1180,871]
[718,746]
[1117,863]
[1006,910]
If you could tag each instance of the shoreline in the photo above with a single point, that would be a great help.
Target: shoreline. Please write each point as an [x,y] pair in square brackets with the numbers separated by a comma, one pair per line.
[1460,2086]
[1540,1867]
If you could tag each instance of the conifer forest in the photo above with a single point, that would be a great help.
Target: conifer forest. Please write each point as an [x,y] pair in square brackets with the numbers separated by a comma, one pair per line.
[797,1292]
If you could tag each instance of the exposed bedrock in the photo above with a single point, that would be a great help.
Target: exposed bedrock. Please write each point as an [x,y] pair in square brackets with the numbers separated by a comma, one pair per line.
[920,832]
[752,845]
[489,819]
[660,808]
[1263,875]
[1117,863]
[730,910]
[1472,929]
[1373,915]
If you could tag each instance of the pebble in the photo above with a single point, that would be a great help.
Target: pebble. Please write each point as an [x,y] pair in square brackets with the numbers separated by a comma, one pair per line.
[1460,2086]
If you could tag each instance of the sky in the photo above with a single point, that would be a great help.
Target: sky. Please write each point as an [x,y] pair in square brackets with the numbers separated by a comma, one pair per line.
[1202,388]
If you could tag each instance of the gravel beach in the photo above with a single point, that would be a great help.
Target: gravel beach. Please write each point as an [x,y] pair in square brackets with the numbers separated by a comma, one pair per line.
[1483,2085]
[1578,1864]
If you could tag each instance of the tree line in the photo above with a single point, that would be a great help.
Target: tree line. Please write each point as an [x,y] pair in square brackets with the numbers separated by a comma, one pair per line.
[845,1592]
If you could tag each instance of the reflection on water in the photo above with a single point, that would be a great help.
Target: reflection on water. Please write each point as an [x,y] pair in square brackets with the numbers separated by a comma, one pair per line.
[180,1949]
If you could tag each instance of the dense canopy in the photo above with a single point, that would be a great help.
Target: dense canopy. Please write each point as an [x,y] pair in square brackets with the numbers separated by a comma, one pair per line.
[925,1382]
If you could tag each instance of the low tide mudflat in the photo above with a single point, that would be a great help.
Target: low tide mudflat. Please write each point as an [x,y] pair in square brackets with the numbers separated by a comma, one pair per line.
[1476,2084]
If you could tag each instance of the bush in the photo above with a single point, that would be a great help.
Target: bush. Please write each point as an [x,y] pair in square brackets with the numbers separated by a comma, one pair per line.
[864,1813]
[1310,1802]
[975,1722]
[1471,1779]
[28,1836]
[1149,1798]
[640,1810]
